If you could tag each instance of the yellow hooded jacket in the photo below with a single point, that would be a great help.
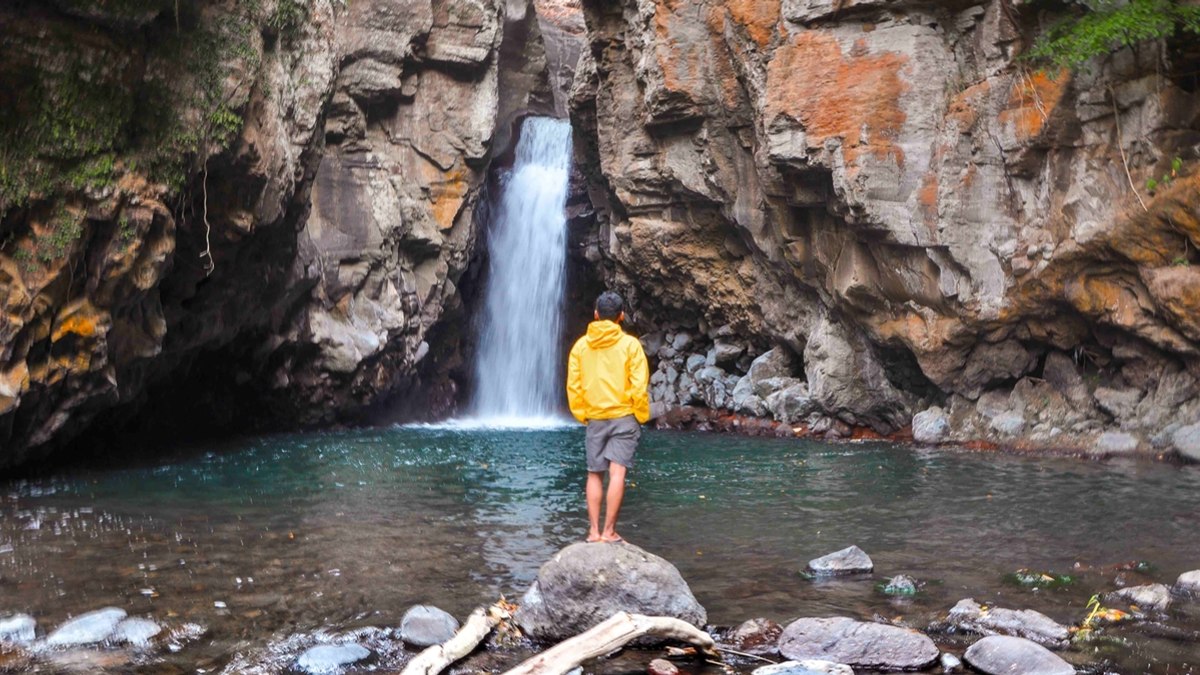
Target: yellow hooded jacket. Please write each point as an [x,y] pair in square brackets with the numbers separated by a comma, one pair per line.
[607,375]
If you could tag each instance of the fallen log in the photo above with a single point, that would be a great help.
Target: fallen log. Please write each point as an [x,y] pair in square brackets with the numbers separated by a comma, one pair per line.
[435,659]
[609,636]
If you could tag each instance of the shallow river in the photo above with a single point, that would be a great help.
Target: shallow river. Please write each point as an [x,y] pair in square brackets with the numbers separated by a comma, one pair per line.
[267,537]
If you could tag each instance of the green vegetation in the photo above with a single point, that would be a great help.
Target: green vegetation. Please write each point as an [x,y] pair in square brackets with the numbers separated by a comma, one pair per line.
[1108,25]
[1039,579]
[288,18]
[1167,178]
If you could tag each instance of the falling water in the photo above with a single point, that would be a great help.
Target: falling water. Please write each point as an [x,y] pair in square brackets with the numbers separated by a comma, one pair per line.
[517,369]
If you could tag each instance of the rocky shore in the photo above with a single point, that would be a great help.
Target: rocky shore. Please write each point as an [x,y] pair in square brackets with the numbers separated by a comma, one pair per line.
[584,584]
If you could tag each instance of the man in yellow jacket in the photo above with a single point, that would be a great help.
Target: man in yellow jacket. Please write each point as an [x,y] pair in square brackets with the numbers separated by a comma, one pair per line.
[607,379]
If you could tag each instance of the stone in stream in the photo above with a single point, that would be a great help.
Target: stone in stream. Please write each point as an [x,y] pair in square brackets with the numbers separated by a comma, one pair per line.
[584,584]
[426,625]
[1187,441]
[1007,655]
[20,629]
[971,617]
[857,643]
[1188,583]
[1152,597]
[930,426]
[850,560]
[1115,443]
[330,659]
[950,663]
[756,636]
[136,632]
[86,629]
[805,667]
[662,667]
[900,585]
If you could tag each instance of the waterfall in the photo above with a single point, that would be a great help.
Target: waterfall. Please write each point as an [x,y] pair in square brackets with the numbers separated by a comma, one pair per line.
[517,365]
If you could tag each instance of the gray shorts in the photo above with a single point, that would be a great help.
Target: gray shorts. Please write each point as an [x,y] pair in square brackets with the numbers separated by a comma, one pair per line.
[612,440]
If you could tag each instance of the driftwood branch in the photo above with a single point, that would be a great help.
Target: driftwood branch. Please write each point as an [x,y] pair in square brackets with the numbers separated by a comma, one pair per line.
[435,659]
[608,636]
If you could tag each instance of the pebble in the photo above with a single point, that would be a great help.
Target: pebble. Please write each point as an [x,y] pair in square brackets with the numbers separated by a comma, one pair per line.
[662,667]
[329,659]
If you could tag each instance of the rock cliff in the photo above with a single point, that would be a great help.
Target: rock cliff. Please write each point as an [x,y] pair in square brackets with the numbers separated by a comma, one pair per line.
[223,214]
[883,209]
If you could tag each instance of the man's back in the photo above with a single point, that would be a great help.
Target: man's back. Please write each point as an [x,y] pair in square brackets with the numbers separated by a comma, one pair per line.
[607,375]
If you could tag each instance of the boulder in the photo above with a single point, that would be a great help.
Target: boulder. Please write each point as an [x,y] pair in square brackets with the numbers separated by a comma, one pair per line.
[1187,441]
[930,425]
[756,636]
[900,585]
[584,584]
[1151,597]
[724,352]
[21,629]
[330,659]
[776,363]
[743,399]
[1115,443]
[1007,655]
[1188,583]
[1063,375]
[971,617]
[86,629]
[136,632]
[1008,424]
[857,643]
[805,667]
[850,560]
[1119,403]
[790,405]
[425,626]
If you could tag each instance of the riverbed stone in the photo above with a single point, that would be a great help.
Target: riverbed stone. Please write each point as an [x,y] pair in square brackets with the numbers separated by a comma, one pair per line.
[756,636]
[662,667]
[900,585]
[1187,441]
[88,628]
[805,667]
[950,663]
[21,629]
[1188,583]
[1008,424]
[859,644]
[972,617]
[135,631]
[426,625]
[850,560]
[330,659]
[1115,443]
[1152,597]
[930,425]
[584,584]
[1007,655]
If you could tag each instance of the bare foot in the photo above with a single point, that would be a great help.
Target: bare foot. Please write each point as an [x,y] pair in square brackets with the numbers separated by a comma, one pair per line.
[594,537]
[611,538]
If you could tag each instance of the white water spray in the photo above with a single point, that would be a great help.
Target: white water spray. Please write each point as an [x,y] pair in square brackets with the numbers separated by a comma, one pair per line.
[517,367]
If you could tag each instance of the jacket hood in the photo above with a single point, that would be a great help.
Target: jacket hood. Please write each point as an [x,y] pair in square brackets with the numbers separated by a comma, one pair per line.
[603,334]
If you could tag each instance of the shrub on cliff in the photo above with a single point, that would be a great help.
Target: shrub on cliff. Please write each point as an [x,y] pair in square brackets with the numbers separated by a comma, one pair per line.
[1104,26]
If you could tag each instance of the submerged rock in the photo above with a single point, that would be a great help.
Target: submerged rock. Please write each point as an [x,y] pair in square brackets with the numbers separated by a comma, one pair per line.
[850,560]
[900,585]
[756,636]
[662,667]
[21,629]
[1006,655]
[805,667]
[1152,597]
[972,617]
[1188,583]
[425,626]
[857,643]
[584,584]
[330,659]
[87,629]
[136,632]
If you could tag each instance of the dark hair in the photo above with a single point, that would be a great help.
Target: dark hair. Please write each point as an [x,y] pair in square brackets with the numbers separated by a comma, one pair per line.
[609,306]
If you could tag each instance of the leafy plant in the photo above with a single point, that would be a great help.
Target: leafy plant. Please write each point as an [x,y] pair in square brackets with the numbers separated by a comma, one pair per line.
[1098,615]
[1167,178]
[1108,25]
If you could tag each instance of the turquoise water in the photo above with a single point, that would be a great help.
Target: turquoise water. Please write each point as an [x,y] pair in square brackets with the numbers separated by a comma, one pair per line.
[340,530]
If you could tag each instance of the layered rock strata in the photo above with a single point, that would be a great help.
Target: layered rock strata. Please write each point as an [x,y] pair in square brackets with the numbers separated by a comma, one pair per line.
[900,210]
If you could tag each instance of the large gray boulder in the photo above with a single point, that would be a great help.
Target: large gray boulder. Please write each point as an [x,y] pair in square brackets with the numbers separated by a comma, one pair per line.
[857,643]
[969,616]
[850,560]
[930,425]
[1007,655]
[1151,597]
[1188,583]
[425,626]
[1187,441]
[88,628]
[584,584]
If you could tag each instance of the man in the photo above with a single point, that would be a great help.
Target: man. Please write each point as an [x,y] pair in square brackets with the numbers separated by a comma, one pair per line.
[607,380]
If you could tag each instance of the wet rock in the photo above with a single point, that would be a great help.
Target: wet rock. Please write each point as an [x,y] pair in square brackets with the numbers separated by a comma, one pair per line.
[847,381]
[1187,441]
[756,636]
[1120,403]
[901,585]
[950,663]
[1150,597]
[1063,375]
[1008,424]
[135,631]
[850,560]
[775,363]
[970,616]
[21,629]
[857,643]
[330,659]
[725,352]
[425,626]
[930,425]
[1006,655]
[1115,443]
[805,667]
[87,629]
[1188,583]
[584,584]
[743,399]
[662,667]
[790,405]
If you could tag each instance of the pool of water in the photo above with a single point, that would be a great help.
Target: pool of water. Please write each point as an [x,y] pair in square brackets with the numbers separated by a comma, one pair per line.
[259,538]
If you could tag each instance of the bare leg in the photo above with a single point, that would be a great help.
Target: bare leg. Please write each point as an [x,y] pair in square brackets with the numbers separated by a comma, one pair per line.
[595,490]
[616,492]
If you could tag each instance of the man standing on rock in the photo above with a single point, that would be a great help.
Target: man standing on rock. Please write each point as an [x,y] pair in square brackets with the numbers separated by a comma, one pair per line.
[607,380]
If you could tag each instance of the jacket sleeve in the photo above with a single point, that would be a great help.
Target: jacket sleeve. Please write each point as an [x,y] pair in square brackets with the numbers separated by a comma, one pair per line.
[639,382]
[575,386]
